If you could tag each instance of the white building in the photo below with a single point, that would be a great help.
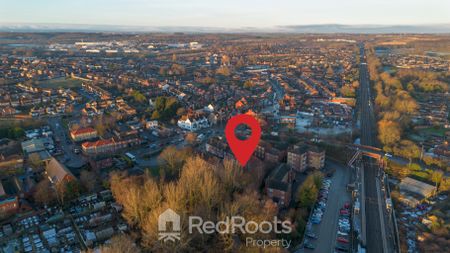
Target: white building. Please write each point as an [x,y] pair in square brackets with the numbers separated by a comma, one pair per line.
[209,108]
[193,122]
[151,124]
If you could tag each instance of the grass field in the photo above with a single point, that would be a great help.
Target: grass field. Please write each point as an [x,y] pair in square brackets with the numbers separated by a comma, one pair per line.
[60,82]
[433,131]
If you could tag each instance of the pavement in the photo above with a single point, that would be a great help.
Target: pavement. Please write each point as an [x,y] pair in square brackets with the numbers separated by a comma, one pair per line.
[326,231]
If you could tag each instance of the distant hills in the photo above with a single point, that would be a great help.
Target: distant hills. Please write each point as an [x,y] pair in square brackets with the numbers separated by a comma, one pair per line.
[323,28]
[336,28]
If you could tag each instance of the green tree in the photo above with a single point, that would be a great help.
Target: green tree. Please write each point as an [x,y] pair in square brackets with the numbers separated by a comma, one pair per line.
[165,108]
[348,91]
[156,115]
[308,191]
[436,177]
[139,97]
[408,149]
[444,185]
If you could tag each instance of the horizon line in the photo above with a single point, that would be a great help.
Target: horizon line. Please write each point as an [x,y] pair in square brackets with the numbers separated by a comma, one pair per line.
[330,28]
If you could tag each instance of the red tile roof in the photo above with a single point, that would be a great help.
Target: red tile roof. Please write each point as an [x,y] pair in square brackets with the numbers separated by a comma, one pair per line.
[83,131]
[98,143]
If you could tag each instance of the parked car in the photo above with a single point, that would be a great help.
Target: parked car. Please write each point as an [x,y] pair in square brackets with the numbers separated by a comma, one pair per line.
[342,240]
[341,249]
[340,233]
[344,224]
[309,245]
[315,221]
[311,235]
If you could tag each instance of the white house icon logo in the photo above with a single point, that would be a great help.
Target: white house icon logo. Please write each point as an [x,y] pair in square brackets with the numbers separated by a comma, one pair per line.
[165,219]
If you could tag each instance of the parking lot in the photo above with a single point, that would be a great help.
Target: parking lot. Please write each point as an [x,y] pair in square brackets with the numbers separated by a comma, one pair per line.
[326,231]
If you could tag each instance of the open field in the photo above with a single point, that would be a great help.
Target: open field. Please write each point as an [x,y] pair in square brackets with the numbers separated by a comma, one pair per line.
[60,82]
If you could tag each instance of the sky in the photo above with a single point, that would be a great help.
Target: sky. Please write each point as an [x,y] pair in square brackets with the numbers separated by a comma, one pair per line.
[224,13]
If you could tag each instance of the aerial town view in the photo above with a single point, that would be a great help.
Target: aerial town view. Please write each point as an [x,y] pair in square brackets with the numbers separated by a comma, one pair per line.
[224,126]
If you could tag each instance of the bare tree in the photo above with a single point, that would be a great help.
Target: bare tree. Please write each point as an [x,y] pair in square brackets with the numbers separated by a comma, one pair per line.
[191,138]
[173,159]
[44,193]
[119,244]
[89,180]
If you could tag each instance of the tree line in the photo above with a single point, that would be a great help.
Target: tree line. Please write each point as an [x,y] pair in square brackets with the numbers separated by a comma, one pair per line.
[212,191]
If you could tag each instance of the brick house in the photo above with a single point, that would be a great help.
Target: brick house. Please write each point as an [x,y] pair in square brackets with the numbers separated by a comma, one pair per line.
[274,155]
[83,134]
[8,205]
[216,146]
[98,163]
[57,172]
[297,158]
[301,157]
[99,147]
[316,158]
[278,185]
[265,152]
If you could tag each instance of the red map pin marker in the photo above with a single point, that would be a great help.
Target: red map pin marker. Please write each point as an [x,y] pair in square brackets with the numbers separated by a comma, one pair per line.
[243,149]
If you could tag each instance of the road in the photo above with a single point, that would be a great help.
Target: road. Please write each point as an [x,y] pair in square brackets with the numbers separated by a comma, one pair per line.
[326,231]
[377,240]
[278,95]
[70,158]
[147,157]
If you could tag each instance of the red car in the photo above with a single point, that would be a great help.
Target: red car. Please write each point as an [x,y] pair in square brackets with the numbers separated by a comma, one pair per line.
[344,212]
[422,207]
[347,205]
[342,240]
